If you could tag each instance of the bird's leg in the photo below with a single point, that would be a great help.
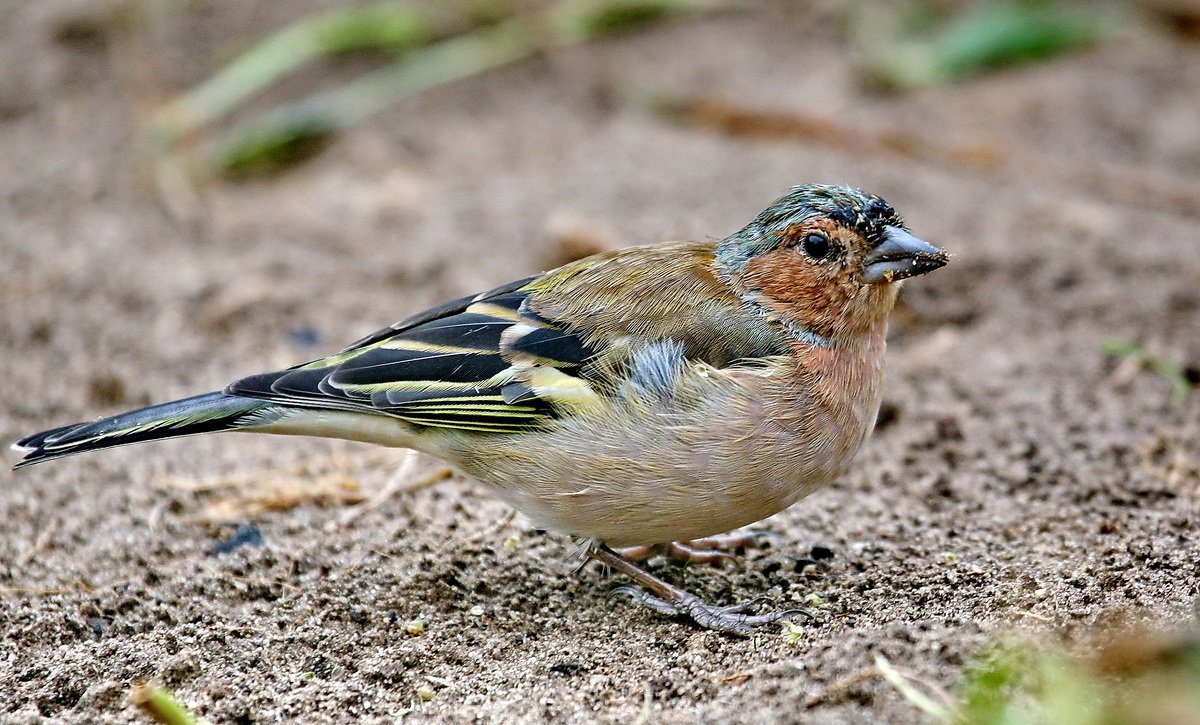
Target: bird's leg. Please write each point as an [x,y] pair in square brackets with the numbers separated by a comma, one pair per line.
[639,553]
[676,550]
[715,550]
[670,599]
[735,540]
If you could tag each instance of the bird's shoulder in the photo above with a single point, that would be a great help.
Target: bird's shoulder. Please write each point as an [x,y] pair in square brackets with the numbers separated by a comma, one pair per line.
[643,295]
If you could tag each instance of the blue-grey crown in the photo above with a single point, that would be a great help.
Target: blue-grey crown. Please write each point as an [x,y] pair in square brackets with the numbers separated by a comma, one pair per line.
[865,213]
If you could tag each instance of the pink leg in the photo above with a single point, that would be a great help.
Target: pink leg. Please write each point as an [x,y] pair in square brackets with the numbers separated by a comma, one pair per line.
[734,540]
[716,550]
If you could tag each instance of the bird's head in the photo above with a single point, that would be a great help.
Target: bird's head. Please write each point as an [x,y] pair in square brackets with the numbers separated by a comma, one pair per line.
[826,259]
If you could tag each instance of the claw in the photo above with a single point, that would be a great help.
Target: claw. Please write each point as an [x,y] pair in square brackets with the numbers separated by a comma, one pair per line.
[671,600]
[777,616]
[732,619]
[745,606]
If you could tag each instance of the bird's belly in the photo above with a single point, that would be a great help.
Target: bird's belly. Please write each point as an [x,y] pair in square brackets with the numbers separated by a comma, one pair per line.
[653,484]
[649,512]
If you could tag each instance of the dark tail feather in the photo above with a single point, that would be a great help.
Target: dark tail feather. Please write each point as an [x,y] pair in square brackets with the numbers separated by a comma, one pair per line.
[202,414]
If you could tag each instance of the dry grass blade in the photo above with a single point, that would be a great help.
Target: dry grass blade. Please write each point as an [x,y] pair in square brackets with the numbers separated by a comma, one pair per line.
[909,691]
[402,481]
[328,480]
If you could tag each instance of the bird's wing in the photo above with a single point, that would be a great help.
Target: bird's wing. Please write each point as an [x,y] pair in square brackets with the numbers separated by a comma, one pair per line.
[485,363]
[515,357]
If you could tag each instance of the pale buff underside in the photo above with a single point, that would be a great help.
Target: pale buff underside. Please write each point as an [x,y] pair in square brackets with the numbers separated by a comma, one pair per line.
[647,472]
[727,448]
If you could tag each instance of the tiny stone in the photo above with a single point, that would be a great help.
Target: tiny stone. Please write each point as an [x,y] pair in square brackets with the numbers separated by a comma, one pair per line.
[801,563]
[819,552]
[246,535]
[567,668]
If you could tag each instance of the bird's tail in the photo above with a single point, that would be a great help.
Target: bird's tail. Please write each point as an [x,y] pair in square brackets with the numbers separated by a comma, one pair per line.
[201,414]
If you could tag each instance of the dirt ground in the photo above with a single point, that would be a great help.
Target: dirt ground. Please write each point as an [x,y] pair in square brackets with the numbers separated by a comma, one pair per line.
[1019,479]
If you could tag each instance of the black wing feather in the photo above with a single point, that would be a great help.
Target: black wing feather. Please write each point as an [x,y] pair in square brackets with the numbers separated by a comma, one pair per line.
[452,366]
[437,312]
[386,366]
[551,343]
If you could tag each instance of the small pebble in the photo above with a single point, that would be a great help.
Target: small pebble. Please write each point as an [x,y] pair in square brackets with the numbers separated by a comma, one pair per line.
[567,668]
[246,535]
[819,552]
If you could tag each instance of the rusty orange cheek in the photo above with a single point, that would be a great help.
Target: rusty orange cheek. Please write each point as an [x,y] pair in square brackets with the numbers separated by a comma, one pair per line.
[786,276]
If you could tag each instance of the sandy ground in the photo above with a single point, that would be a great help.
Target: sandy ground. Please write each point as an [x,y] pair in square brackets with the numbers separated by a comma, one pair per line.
[1019,479]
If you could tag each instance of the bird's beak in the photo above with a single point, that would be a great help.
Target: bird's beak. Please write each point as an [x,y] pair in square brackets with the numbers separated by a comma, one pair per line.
[900,256]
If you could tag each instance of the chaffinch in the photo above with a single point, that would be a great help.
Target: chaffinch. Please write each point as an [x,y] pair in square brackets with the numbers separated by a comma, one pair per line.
[635,397]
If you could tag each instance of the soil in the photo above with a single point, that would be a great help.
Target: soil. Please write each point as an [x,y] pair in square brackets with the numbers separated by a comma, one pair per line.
[1019,479]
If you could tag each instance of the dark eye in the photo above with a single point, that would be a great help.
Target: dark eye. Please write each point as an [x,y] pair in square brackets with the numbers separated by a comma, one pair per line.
[815,246]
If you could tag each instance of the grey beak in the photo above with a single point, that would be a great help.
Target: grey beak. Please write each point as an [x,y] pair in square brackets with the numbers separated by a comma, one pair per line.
[900,256]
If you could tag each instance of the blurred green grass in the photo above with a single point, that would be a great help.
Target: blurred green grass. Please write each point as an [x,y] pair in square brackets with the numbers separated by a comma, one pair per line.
[1137,355]
[431,48]
[901,44]
[914,43]
[1126,677]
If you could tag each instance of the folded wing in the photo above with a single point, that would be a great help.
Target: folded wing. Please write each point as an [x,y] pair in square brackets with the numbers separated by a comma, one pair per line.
[486,363]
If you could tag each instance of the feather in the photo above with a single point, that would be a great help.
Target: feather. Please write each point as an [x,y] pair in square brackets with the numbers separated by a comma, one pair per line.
[452,367]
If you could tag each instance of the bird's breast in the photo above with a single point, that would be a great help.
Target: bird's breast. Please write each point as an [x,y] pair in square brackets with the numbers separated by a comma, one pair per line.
[721,452]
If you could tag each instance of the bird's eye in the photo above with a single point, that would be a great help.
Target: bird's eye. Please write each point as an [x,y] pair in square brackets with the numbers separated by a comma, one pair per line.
[816,246]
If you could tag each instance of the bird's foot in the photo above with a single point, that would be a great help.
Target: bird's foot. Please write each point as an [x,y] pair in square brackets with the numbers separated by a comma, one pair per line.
[734,619]
[670,599]
[717,550]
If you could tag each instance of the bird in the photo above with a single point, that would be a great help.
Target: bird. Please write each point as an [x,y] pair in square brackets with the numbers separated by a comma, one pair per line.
[630,399]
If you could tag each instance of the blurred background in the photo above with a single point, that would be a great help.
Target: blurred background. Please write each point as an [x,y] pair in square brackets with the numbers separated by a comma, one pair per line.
[195,190]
